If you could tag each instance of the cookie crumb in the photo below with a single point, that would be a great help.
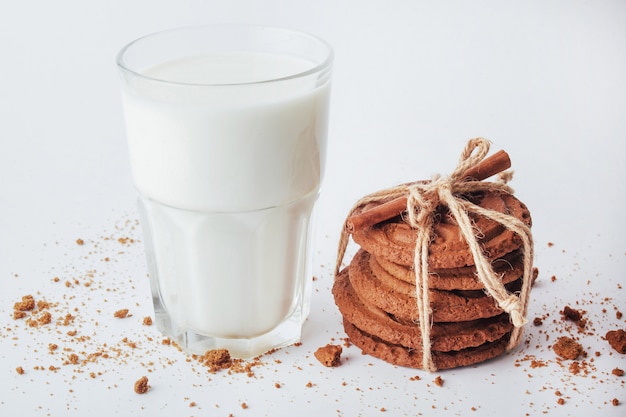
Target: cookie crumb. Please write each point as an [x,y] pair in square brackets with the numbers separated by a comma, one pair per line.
[617,340]
[244,406]
[216,359]
[147,321]
[80,242]
[18,315]
[329,355]
[567,348]
[45,318]
[121,314]
[618,372]
[72,359]
[560,401]
[27,304]
[615,402]
[571,314]
[141,386]
[19,370]
[438,381]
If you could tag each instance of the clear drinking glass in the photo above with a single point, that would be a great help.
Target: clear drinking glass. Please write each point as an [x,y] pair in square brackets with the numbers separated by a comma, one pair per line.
[227,129]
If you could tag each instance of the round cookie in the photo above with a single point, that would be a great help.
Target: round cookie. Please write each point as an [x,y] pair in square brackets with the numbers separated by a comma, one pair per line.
[510,267]
[395,240]
[386,294]
[444,336]
[410,357]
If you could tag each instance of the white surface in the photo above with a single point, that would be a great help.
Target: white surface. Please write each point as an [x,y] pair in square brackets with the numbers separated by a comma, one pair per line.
[412,82]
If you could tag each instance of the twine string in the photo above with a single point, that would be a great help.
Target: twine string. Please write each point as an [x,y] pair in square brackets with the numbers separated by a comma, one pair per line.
[423,199]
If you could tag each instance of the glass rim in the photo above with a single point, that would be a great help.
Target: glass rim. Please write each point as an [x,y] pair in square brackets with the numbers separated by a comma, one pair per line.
[317,67]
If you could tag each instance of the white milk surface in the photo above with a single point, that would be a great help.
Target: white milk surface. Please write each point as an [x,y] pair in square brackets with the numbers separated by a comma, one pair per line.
[228,177]
[227,148]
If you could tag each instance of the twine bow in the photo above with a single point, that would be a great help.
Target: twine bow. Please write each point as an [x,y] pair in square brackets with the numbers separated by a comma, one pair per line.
[422,201]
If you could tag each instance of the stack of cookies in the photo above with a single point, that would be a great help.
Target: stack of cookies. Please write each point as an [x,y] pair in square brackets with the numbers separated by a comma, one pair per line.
[376,292]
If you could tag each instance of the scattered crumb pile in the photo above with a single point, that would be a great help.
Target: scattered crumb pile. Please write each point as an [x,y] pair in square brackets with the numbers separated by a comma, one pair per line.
[217,360]
[570,352]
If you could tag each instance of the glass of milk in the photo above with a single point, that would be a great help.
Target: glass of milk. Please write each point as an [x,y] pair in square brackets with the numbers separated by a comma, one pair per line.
[227,129]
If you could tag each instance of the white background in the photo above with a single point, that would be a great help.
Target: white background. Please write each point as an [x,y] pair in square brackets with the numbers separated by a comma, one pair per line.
[544,80]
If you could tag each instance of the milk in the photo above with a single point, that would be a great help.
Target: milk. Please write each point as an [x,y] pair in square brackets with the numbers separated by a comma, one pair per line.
[227,148]
[228,172]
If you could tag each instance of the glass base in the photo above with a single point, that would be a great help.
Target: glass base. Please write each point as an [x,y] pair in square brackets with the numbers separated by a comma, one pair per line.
[285,334]
[238,281]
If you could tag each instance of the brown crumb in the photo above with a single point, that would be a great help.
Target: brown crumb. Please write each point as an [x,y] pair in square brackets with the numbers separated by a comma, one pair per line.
[567,348]
[615,402]
[617,340]
[141,385]
[329,355]
[560,401]
[19,370]
[72,359]
[575,367]
[27,304]
[277,385]
[538,321]
[120,314]
[192,404]
[575,316]
[438,381]
[571,314]
[618,372]
[309,384]
[216,359]
[17,314]
[536,363]
[244,406]
[45,318]
[147,321]
[68,319]
[80,242]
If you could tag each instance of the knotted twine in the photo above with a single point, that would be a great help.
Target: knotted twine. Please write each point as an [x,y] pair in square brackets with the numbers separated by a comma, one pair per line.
[422,201]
